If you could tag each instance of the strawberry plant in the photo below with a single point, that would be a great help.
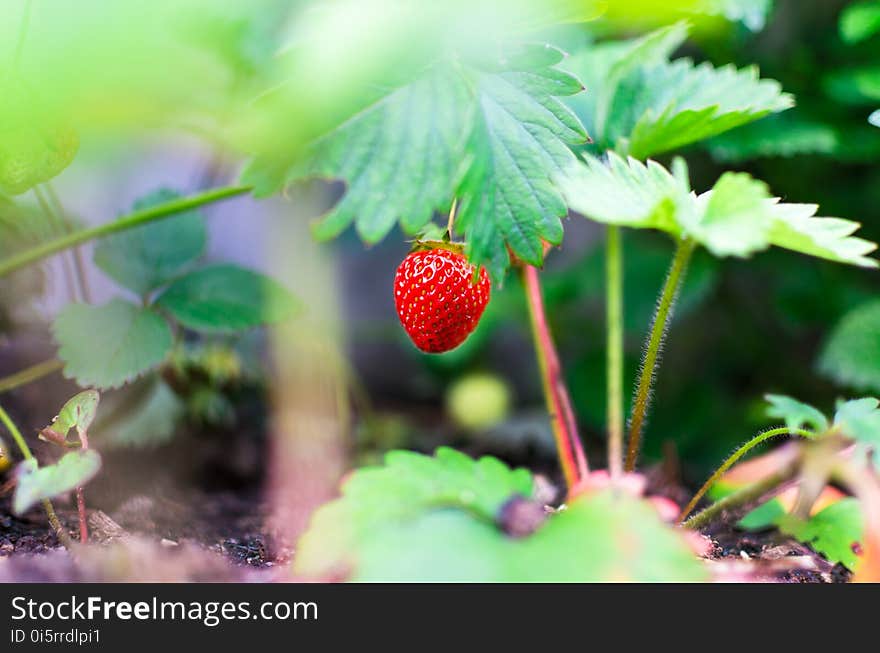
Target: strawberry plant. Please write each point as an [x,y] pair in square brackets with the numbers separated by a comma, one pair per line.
[483,135]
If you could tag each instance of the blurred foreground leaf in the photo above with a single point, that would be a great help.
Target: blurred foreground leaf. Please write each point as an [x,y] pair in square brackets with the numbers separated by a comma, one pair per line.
[440,518]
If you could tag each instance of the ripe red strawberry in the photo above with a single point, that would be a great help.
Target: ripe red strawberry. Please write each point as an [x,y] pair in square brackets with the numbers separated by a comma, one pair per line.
[437,301]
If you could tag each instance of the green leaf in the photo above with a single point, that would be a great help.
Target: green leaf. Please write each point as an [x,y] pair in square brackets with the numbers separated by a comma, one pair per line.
[520,138]
[737,217]
[645,104]
[142,415]
[108,345]
[145,258]
[796,414]
[835,531]
[488,131]
[406,485]
[682,103]
[604,67]
[860,21]
[732,219]
[627,192]
[78,412]
[226,298]
[437,519]
[400,158]
[859,419]
[796,227]
[852,354]
[73,470]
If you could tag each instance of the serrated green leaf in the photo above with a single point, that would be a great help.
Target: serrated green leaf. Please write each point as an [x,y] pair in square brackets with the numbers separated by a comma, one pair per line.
[489,131]
[73,470]
[683,103]
[860,21]
[603,67]
[852,354]
[226,298]
[643,104]
[433,519]
[796,414]
[521,137]
[737,217]
[835,532]
[622,192]
[78,412]
[400,158]
[142,415]
[146,257]
[859,419]
[106,346]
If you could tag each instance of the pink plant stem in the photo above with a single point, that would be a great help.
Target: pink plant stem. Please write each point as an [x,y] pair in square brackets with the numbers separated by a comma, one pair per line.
[81,499]
[571,454]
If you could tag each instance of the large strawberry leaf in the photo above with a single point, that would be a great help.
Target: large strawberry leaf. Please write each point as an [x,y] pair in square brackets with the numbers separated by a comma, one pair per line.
[852,354]
[400,158]
[520,138]
[488,131]
[737,217]
[645,104]
[421,518]
[108,345]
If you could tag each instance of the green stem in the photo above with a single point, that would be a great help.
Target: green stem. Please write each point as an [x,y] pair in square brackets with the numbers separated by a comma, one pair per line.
[129,221]
[30,374]
[650,360]
[735,456]
[614,333]
[63,537]
[568,444]
[743,497]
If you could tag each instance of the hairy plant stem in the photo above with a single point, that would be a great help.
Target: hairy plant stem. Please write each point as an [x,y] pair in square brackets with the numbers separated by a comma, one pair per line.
[614,363]
[134,219]
[571,455]
[654,346]
[62,535]
[734,457]
[30,374]
[745,496]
